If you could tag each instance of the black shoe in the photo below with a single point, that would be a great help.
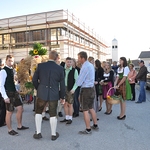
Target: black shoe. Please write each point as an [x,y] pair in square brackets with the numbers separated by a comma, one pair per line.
[81,110]
[60,114]
[69,121]
[47,111]
[138,102]
[85,132]
[37,136]
[54,137]
[108,113]
[132,99]
[65,120]
[45,118]
[122,118]
[100,109]
[12,132]
[75,115]
[23,128]
[95,128]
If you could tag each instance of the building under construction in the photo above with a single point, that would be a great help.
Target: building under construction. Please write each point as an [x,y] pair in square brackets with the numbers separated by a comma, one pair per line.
[56,30]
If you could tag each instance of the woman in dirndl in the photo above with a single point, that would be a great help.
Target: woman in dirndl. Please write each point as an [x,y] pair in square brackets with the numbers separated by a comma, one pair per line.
[122,86]
[107,83]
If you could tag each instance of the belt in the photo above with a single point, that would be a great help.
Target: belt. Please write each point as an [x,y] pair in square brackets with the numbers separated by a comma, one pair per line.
[87,87]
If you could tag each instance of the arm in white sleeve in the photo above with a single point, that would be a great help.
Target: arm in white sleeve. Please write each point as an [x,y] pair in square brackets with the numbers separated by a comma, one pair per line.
[126,71]
[3,76]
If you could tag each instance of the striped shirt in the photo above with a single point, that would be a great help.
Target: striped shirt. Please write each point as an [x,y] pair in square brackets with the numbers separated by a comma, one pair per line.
[87,75]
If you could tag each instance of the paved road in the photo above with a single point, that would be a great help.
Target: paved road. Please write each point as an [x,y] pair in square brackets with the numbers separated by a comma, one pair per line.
[130,134]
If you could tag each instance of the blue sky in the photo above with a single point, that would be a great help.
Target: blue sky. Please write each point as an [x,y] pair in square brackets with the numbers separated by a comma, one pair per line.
[125,20]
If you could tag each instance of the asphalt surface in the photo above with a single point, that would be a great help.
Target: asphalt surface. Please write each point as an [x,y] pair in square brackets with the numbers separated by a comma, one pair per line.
[133,133]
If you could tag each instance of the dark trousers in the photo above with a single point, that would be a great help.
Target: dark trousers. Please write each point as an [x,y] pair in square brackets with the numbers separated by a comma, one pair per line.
[76,103]
[34,98]
[2,111]
[133,90]
[40,104]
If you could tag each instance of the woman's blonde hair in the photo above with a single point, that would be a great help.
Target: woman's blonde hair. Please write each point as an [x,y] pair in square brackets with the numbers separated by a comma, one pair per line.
[110,68]
[90,58]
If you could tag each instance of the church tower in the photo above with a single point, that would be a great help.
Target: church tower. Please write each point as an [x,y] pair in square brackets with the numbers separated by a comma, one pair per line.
[115,50]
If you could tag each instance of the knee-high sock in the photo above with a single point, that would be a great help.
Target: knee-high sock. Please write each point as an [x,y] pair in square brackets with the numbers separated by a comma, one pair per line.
[53,124]
[38,122]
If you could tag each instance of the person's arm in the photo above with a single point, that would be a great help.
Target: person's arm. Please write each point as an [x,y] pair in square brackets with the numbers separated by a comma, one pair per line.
[3,76]
[134,76]
[75,77]
[35,78]
[82,76]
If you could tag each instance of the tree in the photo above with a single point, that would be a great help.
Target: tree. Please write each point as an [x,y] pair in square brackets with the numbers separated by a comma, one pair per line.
[129,61]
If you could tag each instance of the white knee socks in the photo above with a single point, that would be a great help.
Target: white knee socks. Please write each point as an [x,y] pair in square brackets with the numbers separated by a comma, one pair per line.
[38,122]
[53,125]
[43,114]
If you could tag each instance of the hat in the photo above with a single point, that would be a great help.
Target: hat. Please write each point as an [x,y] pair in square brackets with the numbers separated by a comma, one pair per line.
[141,61]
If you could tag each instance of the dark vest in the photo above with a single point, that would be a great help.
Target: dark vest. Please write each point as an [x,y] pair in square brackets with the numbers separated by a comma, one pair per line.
[70,80]
[9,83]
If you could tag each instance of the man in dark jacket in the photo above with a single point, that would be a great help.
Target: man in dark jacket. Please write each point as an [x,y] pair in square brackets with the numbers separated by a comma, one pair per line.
[48,79]
[141,77]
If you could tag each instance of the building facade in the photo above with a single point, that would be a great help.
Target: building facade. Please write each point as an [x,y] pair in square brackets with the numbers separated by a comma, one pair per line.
[55,30]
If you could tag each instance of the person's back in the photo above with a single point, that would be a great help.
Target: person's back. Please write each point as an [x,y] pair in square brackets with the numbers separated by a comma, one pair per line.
[50,82]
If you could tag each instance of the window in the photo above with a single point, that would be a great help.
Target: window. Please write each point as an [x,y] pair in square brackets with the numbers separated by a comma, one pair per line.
[6,38]
[20,37]
[53,37]
[38,35]
[63,31]
[27,36]
[13,37]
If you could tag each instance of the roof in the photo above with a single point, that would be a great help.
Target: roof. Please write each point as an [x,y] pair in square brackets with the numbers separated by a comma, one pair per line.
[145,54]
[114,39]
[135,62]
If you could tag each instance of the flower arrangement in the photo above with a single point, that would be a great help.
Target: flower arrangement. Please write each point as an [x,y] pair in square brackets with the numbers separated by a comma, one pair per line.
[28,65]
[37,50]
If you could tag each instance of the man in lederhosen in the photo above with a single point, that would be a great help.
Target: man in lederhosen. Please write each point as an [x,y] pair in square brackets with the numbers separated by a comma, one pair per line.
[11,96]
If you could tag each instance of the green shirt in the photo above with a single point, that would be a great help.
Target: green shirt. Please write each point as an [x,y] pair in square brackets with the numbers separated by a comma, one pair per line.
[67,70]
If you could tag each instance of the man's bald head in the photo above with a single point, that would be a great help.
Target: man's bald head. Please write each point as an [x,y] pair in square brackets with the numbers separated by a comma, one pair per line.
[53,55]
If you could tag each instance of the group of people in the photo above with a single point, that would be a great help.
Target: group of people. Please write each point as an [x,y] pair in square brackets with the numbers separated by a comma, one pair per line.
[81,86]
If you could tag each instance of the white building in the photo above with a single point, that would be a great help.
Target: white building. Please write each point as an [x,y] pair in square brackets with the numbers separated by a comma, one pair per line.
[145,56]
[114,50]
[56,30]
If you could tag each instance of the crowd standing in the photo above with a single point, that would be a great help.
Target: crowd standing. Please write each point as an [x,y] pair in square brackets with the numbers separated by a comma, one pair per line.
[74,85]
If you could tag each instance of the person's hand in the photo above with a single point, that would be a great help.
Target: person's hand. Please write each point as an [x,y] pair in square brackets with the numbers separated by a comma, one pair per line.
[7,100]
[72,91]
[95,82]
[62,101]
[116,87]
[105,83]
[101,83]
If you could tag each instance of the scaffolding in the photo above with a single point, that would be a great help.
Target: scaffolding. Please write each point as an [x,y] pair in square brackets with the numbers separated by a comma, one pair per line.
[76,32]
